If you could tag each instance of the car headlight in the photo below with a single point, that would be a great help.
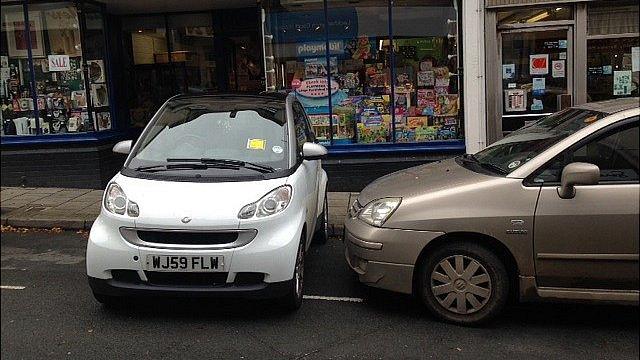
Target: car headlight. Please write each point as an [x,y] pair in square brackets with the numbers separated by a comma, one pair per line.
[378,211]
[115,201]
[274,202]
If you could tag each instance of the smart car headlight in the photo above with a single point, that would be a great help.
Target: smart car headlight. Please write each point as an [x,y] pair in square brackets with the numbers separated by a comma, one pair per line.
[115,201]
[378,211]
[274,202]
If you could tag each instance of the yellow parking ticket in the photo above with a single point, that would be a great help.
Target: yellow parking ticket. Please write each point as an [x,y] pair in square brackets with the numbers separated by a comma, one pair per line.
[256,144]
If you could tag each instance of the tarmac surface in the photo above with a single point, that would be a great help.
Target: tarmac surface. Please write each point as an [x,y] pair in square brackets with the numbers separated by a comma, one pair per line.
[48,312]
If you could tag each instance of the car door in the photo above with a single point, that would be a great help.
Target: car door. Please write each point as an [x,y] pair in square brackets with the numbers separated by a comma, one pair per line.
[309,167]
[590,241]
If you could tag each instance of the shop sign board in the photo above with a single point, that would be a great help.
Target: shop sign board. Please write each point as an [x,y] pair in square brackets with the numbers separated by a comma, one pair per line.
[319,48]
[539,64]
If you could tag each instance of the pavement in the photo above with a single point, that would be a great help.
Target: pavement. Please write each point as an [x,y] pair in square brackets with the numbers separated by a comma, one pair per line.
[76,209]
[48,312]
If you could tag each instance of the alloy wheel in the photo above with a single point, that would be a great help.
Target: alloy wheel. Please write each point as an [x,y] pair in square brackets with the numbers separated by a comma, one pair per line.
[461,284]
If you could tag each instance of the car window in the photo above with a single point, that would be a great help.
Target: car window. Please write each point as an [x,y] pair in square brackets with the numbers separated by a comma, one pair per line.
[301,127]
[615,153]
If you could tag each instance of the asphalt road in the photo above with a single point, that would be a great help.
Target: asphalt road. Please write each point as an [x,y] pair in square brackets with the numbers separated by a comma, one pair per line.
[55,316]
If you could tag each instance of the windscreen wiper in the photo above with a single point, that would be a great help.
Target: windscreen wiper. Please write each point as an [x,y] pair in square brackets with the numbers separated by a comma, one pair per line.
[228,162]
[183,166]
[486,165]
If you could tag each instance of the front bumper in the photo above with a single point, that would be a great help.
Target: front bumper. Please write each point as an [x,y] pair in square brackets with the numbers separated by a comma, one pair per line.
[112,287]
[272,253]
[384,258]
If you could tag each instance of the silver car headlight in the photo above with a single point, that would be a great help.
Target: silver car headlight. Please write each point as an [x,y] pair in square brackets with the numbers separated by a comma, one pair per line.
[115,201]
[274,202]
[378,211]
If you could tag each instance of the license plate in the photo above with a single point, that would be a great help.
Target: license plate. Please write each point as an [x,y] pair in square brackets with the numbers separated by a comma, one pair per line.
[181,263]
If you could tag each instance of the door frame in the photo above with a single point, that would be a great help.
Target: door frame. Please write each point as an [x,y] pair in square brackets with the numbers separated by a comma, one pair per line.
[569,69]
[493,77]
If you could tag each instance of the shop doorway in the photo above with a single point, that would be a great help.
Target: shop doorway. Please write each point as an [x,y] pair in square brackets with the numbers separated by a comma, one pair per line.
[536,73]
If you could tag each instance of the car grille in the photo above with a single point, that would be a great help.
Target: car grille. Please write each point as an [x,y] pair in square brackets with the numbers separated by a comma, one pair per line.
[187,238]
[187,279]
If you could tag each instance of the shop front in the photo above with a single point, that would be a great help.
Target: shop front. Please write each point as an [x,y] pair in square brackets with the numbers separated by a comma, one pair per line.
[543,56]
[376,77]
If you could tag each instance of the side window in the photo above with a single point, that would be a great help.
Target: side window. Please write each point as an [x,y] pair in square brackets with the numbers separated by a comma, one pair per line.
[616,154]
[300,125]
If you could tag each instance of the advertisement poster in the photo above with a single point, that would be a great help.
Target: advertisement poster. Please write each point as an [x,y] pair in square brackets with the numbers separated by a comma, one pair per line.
[59,63]
[515,100]
[539,64]
[558,69]
[508,71]
[426,78]
[539,86]
[622,82]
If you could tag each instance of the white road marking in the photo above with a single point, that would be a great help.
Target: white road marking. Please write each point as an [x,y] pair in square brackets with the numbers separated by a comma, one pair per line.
[12,287]
[332,298]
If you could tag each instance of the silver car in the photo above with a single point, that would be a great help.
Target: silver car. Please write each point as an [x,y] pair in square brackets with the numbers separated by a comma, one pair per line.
[550,212]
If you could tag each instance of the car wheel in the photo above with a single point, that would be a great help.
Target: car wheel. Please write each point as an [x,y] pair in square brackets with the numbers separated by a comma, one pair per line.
[293,300]
[464,283]
[322,229]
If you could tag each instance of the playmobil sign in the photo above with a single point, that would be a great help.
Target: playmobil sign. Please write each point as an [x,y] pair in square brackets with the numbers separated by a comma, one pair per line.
[315,48]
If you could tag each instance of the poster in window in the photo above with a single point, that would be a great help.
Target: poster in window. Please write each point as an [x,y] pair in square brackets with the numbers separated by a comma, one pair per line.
[96,71]
[635,58]
[515,100]
[63,31]
[539,64]
[17,42]
[103,120]
[99,95]
[557,69]
[622,83]
[508,71]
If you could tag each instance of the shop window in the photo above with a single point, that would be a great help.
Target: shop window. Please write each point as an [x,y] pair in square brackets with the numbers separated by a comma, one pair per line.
[387,82]
[244,62]
[361,72]
[192,52]
[65,99]
[426,79]
[535,15]
[16,96]
[148,74]
[613,52]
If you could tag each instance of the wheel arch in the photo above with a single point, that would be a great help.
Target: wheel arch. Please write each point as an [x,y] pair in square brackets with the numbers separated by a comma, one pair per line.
[492,244]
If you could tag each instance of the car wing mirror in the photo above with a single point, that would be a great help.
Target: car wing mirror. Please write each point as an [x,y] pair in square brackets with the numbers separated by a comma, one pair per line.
[123,147]
[312,151]
[577,173]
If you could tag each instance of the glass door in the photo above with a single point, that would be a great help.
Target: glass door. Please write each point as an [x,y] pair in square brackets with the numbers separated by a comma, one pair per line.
[536,73]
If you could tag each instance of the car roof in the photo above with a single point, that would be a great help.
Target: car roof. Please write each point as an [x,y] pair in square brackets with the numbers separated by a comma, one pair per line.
[611,106]
[262,98]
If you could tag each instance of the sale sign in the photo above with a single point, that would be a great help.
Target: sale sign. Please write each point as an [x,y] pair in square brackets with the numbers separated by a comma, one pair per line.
[59,63]
[539,64]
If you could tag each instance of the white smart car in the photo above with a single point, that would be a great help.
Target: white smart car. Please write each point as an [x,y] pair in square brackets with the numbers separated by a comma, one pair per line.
[220,196]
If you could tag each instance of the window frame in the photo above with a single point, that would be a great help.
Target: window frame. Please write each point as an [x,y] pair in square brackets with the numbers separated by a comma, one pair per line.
[597,135]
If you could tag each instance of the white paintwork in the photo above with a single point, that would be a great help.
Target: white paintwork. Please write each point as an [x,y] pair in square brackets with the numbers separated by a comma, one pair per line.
[212,206]
[475,114]
[123,147]
[12,287]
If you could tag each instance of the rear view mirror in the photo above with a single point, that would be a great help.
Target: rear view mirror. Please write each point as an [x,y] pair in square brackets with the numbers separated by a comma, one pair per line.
[577,173]
[312,151]
[123,147]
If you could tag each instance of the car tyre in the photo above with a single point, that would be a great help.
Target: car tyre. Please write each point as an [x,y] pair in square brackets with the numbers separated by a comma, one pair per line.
[322,229]
[463,283]
[293,299]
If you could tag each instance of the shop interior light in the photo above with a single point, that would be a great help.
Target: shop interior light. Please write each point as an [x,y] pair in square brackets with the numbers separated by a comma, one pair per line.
[538,17]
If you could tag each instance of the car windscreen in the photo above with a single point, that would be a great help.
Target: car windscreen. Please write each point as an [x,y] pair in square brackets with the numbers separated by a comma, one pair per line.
[204,138]
[528,142]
